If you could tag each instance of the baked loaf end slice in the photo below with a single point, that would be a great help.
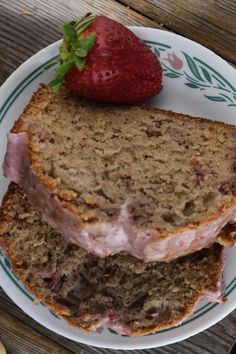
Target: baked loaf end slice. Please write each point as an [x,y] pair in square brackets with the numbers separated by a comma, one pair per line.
[119,291]
[153,183]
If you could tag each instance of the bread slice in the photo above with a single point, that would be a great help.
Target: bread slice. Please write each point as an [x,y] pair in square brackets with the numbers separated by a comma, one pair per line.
[153,183]
[119,291]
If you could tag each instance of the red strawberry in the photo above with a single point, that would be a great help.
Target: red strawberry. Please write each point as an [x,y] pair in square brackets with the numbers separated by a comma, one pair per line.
[104,61]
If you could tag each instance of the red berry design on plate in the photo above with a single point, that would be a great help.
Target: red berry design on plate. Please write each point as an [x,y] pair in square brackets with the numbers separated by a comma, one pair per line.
[104,61]
[174,61]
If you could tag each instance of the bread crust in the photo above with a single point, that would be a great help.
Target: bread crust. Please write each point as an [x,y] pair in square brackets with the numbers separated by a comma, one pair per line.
[227,236]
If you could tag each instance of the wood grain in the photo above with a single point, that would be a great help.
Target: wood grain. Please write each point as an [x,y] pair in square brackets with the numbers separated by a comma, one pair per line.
[21,339]
[211,23]
[23,35]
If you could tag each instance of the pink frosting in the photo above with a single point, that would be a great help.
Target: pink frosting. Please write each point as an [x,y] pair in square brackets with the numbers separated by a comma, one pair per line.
[16,161]
[104,238]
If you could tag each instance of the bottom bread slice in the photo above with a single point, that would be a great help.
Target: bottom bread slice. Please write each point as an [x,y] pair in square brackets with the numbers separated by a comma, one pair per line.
[119,291]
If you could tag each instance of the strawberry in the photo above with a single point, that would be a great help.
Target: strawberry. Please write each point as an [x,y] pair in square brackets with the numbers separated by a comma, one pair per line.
[104,61]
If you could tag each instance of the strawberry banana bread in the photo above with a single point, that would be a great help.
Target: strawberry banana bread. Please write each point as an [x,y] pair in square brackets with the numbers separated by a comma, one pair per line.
[119,291]
[153,183]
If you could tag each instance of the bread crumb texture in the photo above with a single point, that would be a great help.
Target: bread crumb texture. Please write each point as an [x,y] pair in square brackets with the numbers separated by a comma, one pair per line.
[172,170]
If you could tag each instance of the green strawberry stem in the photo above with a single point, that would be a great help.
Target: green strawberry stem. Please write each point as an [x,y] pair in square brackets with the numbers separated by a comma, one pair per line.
[74,48]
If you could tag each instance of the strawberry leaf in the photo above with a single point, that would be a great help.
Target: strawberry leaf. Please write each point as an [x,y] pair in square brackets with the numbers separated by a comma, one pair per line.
[68,30]
[85,45]
[55,85]
[74,48]
[79,62]
[61,71]
[64,52]
[81,52]
[88,42]
[83,24]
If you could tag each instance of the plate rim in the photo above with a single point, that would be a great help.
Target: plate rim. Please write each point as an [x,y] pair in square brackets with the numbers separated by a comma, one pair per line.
[8,82]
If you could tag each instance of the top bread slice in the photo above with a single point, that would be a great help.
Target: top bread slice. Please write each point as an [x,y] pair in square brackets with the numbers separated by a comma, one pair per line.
[153,183]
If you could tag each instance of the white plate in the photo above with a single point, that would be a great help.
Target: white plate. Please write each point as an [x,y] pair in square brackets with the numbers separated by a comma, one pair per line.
[196,81]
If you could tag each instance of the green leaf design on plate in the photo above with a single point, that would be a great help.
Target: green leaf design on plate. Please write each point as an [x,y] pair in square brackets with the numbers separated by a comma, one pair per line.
[114,332]
[206,74]
[172,75]
[54,314]
[157,52]
[193,67]
[216,98]
[189,84]
[220,82]
[7,263]
[227,97]
[198,75]
[216,75]
[51,63]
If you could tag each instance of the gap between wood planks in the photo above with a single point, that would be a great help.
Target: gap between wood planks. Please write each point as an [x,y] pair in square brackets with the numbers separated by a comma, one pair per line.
[233,350]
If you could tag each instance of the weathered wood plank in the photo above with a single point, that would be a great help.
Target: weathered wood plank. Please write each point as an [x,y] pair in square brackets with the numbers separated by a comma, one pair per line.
[23,35]
[206,342]
[18,338]
[211,23]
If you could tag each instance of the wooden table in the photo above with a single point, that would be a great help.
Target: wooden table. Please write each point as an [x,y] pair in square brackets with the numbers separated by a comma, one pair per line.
[26,26]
